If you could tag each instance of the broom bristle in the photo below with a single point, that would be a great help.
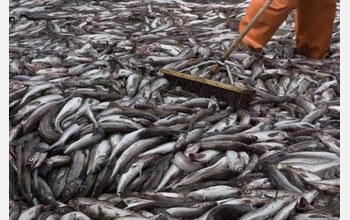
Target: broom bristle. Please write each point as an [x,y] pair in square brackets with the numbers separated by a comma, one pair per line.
[234,99]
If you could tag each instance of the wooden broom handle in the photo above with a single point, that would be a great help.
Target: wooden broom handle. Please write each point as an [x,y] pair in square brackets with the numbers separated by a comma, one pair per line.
[238,40]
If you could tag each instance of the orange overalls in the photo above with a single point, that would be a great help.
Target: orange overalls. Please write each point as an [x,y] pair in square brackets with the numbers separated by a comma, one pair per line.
[313,25]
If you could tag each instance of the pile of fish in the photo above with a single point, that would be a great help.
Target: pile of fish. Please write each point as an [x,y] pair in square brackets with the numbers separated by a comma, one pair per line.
[96,132]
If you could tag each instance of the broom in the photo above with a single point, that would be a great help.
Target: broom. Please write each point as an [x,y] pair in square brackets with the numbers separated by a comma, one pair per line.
[233,95]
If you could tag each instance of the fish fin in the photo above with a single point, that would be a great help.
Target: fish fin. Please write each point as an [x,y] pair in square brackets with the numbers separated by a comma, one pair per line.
[94,131]
[98,130]
[276,195]
[140,171]
[66,94]
[13,143]
[166,215]
[74,120]
[112,177]
[57,146]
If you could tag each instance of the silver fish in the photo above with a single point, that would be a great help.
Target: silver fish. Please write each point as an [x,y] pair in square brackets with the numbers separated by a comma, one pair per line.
[69,108]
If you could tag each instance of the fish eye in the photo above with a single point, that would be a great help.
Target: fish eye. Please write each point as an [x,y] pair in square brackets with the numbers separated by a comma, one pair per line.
[67,193]
[240,169]
[239,183]
[31,159]
[248,190]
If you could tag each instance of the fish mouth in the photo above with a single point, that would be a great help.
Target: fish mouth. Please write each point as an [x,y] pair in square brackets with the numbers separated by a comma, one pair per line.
[31,165]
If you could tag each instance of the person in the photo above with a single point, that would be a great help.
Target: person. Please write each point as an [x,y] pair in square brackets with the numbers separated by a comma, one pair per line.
[313,25]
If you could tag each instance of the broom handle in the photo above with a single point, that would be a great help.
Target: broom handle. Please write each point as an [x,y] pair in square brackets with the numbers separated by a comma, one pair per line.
[238,40]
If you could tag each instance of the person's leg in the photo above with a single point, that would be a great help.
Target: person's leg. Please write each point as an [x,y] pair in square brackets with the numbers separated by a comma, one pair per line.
[314,27]
[268,23]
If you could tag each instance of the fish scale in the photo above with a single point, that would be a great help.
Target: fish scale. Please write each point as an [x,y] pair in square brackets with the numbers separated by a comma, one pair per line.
[106,56]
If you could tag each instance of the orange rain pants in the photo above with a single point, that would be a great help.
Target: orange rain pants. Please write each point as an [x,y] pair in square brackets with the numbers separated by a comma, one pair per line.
[313,25]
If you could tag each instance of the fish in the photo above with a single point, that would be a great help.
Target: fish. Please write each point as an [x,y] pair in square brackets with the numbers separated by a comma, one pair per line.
[70,107]
[184,163]
[213,193]
[331,142]
[132,84]
[268,210]
[102,153]
[134,150]
[38,157]
[202,173]
[31,213]
[124,143]
[35,90]
[281,180]
[35,117]
[46,130]
[76,175]
[161,149]
[227,210]
[135,168]
[44,194]
[160,168]
[286,211]
[58,181]
[83,142]
[71,131]
[96,131]
[31,106]
[15,209]
[75,215]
